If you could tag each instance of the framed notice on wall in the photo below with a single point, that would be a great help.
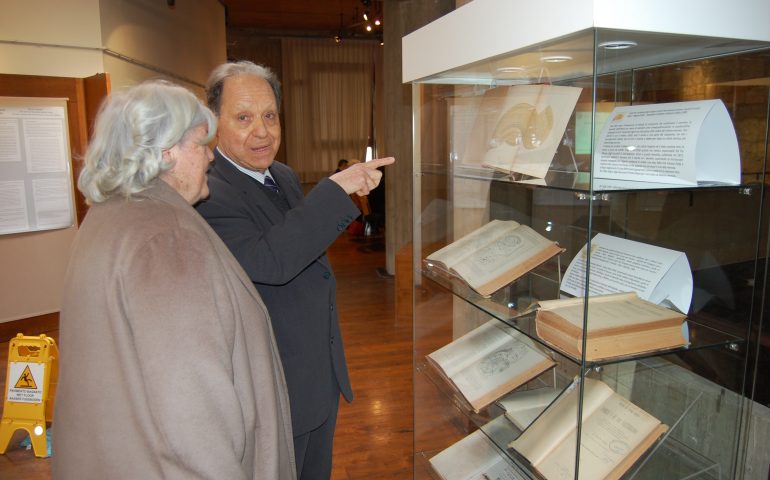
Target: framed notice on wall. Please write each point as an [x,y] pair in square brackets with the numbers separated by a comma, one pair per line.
[36,191]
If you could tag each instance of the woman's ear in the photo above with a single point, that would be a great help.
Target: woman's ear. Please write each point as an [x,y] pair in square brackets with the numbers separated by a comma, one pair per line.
[169,154]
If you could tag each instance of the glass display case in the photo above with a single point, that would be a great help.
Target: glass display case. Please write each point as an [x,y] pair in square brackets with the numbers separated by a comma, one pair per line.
[636,142]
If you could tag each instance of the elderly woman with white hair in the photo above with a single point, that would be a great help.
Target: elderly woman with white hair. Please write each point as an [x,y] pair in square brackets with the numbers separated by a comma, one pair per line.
[169,367]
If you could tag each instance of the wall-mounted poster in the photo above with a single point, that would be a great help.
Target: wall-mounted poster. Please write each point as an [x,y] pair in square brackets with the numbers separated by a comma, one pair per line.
[36,190]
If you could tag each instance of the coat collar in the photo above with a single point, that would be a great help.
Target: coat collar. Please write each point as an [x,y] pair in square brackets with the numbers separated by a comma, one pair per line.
[282,174]
[162,191]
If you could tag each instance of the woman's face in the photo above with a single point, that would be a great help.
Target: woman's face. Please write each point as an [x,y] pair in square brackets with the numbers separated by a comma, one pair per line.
[191,157]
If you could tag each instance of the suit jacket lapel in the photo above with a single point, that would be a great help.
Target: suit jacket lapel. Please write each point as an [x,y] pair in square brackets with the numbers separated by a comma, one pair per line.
[257,198]
[286,179]
[288,184]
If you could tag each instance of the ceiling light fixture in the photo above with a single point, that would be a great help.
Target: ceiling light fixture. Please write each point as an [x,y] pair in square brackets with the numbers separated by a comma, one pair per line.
[354,27]
[618,44]
[556,58]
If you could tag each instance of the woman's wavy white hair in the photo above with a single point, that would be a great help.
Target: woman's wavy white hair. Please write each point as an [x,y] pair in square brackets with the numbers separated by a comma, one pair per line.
[133,128]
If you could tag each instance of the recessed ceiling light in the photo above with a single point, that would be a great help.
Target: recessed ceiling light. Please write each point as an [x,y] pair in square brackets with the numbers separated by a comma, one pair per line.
[618,44]
[556,58]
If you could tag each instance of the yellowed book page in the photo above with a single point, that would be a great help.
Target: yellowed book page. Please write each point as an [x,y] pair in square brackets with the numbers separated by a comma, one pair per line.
[490,361]
[468,458]
[611,311]
[497,258]
[611,434]
[470,348]
[467,245]
[515,271]
[522,407]
[560,421]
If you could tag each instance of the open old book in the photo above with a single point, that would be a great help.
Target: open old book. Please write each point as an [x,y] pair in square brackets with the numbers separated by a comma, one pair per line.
[615,433]
[523,407]
[618,324]
[488,362]
[474,457]
[494,255]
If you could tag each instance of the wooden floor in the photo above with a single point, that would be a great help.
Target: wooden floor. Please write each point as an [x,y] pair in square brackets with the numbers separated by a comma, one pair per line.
[374,433]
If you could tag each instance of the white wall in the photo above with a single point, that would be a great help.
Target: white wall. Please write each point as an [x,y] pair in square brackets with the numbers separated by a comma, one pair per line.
[67,38]
[186,41]
[50,37]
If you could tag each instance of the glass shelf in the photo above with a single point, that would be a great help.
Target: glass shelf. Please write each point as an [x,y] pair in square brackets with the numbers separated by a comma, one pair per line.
[701,335]
[580,182]
[670,457]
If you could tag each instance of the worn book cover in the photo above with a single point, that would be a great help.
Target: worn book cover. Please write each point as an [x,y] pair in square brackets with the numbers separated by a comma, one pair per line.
[618,324]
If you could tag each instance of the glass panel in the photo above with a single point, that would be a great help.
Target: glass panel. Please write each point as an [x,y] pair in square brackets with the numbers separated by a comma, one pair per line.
[696,390]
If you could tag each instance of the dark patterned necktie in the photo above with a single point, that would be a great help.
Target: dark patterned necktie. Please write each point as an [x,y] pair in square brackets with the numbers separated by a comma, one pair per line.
[270,183]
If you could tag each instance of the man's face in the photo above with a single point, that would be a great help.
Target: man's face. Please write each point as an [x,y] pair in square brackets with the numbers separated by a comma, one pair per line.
[249,130]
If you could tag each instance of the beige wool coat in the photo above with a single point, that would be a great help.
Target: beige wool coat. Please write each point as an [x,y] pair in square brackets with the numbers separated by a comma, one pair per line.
[169,367]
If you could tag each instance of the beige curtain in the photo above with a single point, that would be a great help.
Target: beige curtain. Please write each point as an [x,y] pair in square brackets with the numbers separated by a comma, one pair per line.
[327,106]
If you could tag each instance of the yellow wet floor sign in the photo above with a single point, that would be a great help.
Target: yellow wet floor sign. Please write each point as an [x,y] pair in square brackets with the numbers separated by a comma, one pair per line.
[31,381]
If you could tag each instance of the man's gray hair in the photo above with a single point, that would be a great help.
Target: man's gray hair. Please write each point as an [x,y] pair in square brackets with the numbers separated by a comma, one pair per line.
[216,81]
[133,128]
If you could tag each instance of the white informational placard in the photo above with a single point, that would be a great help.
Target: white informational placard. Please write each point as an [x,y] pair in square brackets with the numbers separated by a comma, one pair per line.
[685,143]
[656,274]
[35,169]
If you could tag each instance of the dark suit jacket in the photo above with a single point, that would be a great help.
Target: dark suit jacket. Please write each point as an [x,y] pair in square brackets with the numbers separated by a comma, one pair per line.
[284,254]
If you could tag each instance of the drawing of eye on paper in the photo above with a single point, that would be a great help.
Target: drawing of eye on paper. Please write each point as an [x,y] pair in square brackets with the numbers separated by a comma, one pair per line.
[527,124]
[523,125]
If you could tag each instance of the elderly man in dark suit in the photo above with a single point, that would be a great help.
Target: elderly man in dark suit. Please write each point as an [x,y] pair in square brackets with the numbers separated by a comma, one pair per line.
[279,237]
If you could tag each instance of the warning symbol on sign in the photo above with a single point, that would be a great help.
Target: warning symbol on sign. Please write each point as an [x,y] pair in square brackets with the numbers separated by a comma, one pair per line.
[26,380]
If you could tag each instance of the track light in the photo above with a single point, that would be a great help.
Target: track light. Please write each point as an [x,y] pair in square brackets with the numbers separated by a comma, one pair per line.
[366,15]
[368,27]
[377,22]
